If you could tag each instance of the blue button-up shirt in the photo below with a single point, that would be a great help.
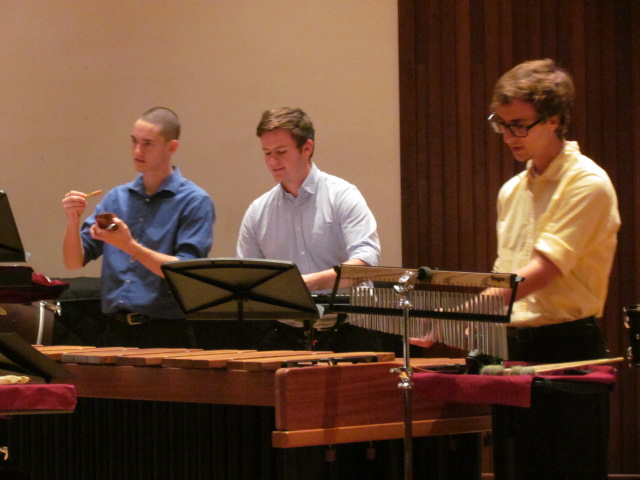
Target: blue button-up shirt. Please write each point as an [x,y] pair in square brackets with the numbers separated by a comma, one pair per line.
[328,223]
[176,220]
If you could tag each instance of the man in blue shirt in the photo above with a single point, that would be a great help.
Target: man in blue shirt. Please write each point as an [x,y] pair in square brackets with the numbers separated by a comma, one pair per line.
[312,219]
[159,217]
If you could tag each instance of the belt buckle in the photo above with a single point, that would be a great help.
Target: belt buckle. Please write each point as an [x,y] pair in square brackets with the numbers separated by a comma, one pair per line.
[130,319]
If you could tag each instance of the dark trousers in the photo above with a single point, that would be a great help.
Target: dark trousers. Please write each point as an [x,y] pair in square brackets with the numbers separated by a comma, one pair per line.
[564,342]
[343,337]
[274,335]
[564,435]
[229,334]
[155,334]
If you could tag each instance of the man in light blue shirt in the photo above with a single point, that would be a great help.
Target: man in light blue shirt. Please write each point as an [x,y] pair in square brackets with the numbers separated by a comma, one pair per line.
[159,217]
[310,218]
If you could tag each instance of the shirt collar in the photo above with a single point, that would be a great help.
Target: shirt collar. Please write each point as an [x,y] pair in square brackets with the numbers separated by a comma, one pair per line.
[309,185]
[170,184]
[555,168]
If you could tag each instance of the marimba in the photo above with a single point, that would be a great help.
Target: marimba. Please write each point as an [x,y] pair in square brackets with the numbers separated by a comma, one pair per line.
[242,409]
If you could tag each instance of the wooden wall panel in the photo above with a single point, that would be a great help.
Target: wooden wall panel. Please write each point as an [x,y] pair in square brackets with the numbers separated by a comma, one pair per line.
[451,54]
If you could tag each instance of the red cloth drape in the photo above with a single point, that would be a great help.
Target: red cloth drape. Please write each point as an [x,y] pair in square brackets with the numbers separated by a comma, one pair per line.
[37,397]
[496,390]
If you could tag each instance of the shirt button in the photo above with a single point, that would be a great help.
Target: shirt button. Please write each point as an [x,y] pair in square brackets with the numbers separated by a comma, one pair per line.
[302,252]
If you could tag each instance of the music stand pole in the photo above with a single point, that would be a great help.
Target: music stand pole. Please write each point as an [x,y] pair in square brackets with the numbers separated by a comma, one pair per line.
[406,284]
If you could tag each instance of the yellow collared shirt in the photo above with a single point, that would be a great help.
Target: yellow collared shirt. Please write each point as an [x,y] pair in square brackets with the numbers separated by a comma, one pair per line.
[569,213]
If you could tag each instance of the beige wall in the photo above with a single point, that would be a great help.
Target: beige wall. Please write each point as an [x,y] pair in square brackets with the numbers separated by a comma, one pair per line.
[76,74]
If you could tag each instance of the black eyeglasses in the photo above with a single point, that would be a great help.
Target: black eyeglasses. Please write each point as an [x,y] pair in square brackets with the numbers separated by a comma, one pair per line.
[515,129]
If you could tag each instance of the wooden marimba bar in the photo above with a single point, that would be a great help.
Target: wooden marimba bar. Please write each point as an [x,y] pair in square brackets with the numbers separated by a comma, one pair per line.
[249,360]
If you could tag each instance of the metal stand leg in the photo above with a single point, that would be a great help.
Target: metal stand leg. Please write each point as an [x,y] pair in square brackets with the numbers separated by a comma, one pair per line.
[43,307]
[309,340]
[41,323]
[405,373]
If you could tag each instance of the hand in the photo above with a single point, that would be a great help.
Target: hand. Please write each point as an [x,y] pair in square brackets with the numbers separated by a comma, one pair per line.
[423,342]
[74,204]
[119,237]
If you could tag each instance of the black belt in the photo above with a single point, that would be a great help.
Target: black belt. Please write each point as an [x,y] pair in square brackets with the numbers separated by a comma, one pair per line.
[575,328]
[132,318]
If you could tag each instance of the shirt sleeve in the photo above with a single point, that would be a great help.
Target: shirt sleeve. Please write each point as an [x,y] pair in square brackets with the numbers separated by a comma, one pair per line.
[580,219]
[247,245]
[359,227]
[194,237]
[93,249]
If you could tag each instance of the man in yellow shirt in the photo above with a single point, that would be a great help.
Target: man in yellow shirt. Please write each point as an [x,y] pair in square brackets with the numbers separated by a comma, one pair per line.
[557,220]
[557,227]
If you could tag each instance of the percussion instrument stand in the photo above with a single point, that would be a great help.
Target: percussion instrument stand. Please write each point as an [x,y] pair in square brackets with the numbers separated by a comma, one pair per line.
[405,285]
[403,281]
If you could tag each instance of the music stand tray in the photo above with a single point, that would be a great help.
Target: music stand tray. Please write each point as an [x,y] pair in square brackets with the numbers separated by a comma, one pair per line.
[240,289]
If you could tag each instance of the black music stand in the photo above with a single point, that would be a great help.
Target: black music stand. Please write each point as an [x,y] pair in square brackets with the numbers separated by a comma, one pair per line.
[240,289]
[18,357]
[11,249]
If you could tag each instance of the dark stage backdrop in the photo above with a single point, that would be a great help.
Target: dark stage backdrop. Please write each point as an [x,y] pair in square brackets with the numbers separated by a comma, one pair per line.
[451,54]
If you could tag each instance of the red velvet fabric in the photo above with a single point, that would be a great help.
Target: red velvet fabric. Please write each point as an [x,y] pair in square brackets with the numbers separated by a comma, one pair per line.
[513,390]
[36,397]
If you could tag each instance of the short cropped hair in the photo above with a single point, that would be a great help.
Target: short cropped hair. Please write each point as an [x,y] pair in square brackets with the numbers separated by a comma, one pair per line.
[293,119]
[541,83]
[166,119]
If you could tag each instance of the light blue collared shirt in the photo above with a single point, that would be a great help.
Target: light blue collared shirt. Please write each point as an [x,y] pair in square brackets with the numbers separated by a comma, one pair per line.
[327,224]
